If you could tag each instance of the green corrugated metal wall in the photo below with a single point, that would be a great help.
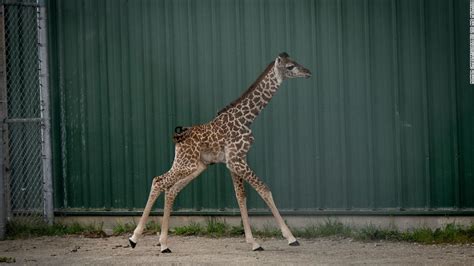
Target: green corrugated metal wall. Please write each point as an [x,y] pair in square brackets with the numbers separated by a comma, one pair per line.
[386,122]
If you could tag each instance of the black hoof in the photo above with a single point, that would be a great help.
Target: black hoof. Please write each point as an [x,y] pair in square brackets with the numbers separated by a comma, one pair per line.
[294,244]
[166,251]
[259,249]
[132,244]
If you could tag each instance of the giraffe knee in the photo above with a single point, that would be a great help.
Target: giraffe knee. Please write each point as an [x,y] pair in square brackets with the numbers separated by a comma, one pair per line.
[241,194]
[238,168]
[263,190]
[165,181]
[158,184]
[171,194]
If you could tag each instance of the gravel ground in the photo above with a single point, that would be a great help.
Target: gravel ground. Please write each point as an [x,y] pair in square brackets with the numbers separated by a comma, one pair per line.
[76,250]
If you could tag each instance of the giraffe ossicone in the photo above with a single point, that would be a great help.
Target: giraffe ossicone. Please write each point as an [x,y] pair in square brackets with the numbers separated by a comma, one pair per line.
[225,139]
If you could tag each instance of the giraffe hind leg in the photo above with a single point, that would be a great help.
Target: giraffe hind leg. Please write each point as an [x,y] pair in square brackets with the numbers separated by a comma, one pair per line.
[182,166]
[185,176]
[154,193]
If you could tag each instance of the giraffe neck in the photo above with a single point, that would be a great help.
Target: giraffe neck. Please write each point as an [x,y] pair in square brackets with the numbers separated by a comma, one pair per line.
[248,106]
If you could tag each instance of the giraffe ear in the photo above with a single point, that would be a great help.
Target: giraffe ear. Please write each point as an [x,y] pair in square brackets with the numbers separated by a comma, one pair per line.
[281,56]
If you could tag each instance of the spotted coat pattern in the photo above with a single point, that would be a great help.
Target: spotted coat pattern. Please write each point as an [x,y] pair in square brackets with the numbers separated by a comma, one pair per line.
[225,139]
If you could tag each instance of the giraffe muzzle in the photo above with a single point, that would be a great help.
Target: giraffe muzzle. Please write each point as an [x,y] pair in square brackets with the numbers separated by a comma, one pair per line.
[307,74]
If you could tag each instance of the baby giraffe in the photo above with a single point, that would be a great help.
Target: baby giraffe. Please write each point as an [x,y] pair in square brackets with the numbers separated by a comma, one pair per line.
[225,139]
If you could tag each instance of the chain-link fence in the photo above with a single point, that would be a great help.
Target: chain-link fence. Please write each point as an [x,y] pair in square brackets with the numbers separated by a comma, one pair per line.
[26,143]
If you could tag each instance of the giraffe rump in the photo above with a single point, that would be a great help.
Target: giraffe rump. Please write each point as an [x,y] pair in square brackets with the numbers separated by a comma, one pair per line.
[180,134]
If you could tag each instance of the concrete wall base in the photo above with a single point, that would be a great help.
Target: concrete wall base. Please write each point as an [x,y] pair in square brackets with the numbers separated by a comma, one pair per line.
[401,223]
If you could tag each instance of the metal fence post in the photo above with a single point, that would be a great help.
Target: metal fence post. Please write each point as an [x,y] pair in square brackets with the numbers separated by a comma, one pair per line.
[45,115]
[3,116]
[26,118]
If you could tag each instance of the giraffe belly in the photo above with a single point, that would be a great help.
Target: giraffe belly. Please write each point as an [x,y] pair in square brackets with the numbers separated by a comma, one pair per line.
[209,157]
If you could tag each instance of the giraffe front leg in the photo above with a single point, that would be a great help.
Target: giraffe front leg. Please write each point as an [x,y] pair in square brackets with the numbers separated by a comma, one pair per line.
[240,166]
[241,199]
[154,193]
[266,195]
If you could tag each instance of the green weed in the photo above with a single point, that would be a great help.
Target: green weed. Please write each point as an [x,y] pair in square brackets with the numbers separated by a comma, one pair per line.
[330,227]
[17,229]
[268,231]
[451,233]
[216,228]
[7,260]
[152,227]
[123,228]
[194,229]
[371,232]
[236,230]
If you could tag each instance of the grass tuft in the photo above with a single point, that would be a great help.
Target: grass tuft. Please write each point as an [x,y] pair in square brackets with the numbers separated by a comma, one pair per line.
[329,228]
[26,230]
[213,228]
[7,260]
[451,233]
[237,230]
[372,232]
[194,229]
[152,227]
[216,228]
[267,231]
[123,228]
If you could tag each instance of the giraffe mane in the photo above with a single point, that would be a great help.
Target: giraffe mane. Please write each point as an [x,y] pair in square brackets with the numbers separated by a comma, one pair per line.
[249,90]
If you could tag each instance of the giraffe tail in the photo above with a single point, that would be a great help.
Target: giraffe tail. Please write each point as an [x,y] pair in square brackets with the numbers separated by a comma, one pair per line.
[180,134]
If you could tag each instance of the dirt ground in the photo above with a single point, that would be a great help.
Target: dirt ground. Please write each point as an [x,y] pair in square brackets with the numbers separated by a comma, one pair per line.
[75,250]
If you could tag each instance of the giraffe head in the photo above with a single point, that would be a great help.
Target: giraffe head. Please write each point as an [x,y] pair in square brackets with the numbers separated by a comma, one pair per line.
[286,68]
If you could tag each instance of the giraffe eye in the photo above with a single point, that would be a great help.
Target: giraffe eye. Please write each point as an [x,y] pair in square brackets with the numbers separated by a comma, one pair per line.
[290,67]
